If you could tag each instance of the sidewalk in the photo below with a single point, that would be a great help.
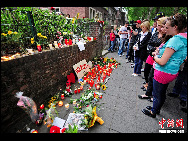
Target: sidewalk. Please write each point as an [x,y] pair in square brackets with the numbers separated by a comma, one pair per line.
[122,109]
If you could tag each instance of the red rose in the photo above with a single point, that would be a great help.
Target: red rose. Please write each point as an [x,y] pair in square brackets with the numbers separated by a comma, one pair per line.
[54,129]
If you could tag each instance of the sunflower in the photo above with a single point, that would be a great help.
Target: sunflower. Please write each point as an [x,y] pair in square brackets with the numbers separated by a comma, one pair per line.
[103,87]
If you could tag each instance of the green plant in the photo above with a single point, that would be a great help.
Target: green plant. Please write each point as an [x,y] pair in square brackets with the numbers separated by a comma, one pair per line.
[72,130]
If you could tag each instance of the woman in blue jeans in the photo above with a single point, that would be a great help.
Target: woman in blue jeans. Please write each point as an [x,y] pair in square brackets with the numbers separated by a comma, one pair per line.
[167,63]
[141,51]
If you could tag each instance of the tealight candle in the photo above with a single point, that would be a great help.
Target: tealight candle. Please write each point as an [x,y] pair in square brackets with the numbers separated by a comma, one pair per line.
[75,90]
[67,106]
[81,87]
[60,103]
[56,46]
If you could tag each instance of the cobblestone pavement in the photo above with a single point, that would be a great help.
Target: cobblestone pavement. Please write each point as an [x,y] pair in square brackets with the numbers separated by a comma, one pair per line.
[122,109]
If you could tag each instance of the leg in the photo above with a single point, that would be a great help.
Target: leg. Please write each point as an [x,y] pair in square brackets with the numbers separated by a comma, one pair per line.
[140,62]
[150,83]
[159,95]
[136,64]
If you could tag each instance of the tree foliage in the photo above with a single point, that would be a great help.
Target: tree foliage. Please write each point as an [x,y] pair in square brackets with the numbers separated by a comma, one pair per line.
[135,13]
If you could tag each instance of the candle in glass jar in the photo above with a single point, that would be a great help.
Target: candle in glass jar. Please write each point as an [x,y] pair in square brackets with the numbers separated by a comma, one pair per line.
[78,90]
[50,45]
[67,106]
[56,45]
[55,42]
[74,41]
[60,103]
[74,103]
[62,96]
[81,87]
[75,90]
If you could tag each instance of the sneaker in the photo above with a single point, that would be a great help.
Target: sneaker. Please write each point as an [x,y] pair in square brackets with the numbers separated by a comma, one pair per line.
[133,74]
[142,70]
[123,54]
[119,55]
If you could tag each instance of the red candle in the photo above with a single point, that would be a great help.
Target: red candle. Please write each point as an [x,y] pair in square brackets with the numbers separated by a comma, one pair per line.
[39,48]
[66,41]
[85,77]
[59,45]
[62,96]
[78,90]
[91,83]
[70,42]
[75,91]
[42,106]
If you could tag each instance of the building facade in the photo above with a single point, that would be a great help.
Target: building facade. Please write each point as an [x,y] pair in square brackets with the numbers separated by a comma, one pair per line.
[112,15]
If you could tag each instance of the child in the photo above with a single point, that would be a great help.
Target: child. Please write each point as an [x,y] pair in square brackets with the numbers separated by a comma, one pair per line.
[113,40]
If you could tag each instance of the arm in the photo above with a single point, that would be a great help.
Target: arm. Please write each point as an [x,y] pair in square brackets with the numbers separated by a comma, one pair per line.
[120,32]
[164,59]
[134,32]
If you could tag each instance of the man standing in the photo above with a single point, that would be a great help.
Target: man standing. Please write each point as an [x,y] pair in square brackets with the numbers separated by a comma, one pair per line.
[135,32]
[123,37]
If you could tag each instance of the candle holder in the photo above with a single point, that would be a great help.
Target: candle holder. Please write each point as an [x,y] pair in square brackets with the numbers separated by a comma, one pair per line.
[62,96]
[67,106]
[74,103]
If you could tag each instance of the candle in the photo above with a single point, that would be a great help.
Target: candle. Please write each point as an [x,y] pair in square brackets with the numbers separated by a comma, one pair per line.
[85,77]
[35,131]
[59,45]
[66,41]
[74,41]
[70,42]
[98,86]
[62,96]
[91,38]
[56,45]
[42,106]
[60,103]
[74,103]
[91,83]
[78,90]
[55,42]
[39,48]
[50,45]
[75,91]
[67,106]
[81,87]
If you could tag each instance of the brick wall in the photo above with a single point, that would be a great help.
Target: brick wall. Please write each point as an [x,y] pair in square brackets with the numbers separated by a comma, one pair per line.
[73,11]
[40,76]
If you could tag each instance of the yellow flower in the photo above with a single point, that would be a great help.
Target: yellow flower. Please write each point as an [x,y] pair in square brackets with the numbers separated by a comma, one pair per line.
[39,34]
[32,39]
[15,33]
[3,34]
[9,32]
[103,87]
[44,37]
[32,42]
[73,20]
[77,15]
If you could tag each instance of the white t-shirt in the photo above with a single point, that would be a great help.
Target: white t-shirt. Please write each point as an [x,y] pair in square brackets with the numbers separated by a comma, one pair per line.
[123,29]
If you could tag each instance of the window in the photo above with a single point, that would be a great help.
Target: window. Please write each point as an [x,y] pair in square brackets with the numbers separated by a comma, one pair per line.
[57,10]
[91,13]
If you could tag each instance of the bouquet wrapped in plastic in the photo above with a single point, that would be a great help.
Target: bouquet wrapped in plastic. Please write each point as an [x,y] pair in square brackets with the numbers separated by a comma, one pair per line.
[28,105]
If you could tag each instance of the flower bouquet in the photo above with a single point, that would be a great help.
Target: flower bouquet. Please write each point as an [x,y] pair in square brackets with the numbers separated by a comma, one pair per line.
[91,117]
[28,105]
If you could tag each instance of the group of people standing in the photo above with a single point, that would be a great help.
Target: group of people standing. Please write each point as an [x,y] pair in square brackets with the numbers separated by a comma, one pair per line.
[163,48]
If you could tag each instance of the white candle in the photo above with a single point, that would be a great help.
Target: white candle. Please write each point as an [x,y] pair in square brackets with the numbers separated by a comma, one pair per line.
[74,41]
[56,46]
[55,42]
[50,45]
[91,38]
[74,103]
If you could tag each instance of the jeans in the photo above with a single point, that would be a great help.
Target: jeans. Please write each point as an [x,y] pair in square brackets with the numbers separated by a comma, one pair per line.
[111,48]
[122,46]
[180,87]
[138,65]
[159,95]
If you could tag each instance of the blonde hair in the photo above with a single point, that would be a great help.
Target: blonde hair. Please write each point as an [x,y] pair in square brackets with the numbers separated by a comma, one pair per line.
[161,20]
[146,24]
